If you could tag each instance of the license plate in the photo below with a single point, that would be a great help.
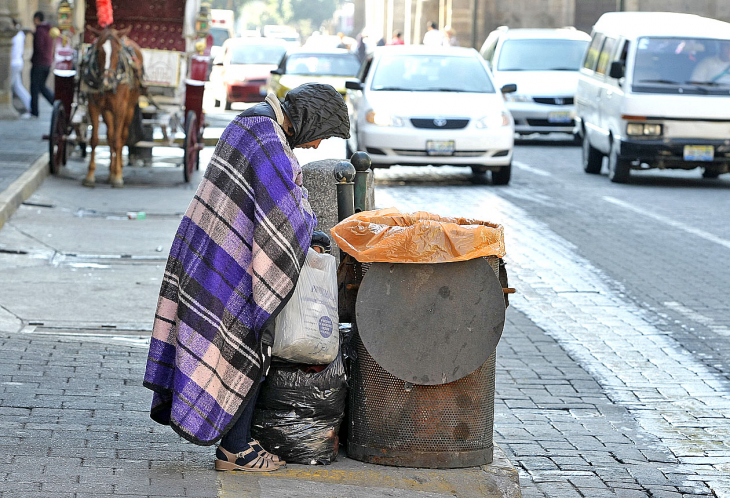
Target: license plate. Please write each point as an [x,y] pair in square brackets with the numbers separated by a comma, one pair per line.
[440,147]
[560,117]
[699,152]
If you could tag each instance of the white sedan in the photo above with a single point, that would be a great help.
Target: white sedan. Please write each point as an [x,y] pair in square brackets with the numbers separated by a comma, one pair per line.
[421,105]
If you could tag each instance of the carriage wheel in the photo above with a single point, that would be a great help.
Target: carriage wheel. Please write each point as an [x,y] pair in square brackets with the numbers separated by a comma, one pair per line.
[56,139]
[190,145]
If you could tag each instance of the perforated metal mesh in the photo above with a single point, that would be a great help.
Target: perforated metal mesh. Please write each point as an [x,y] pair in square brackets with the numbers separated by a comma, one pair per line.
[388,414]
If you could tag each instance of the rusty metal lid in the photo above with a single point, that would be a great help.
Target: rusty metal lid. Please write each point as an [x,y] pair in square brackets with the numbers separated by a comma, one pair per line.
[430,323]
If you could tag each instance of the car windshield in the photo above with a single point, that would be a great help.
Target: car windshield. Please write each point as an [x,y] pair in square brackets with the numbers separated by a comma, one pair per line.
[257,54]
[431,73]
[323,64]
[541,55]
[682,65]
[219,36]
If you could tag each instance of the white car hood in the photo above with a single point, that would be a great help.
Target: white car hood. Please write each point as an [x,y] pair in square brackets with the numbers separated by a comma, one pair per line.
[540,83]
[436,104]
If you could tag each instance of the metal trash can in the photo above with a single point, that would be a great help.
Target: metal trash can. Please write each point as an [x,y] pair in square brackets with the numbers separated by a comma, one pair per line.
[432,407]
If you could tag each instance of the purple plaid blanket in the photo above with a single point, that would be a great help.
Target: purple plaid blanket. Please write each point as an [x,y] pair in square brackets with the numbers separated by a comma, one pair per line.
[233,264]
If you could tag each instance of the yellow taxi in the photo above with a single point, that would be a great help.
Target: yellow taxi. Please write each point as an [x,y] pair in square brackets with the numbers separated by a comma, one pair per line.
[333,67]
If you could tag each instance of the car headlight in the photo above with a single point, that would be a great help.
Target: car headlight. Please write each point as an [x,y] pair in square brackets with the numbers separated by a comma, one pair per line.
[516,97]
[493,121]
[383,119]
[644,129]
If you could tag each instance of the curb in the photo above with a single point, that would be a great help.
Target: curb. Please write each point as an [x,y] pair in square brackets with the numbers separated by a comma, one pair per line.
[22,188]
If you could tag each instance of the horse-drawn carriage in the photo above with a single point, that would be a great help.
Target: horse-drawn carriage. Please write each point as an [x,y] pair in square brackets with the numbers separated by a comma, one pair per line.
[144,75]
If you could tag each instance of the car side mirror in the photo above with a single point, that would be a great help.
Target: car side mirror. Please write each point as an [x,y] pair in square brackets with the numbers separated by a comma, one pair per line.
[510,88]
[617,70]
[277,71]
[353,85]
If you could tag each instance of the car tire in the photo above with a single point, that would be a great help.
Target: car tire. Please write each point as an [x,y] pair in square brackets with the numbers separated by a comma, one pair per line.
[227,105]
[592,158]
[502,175]
[577,139]
[710,173]
[216,103]
[479,170]
[619,168]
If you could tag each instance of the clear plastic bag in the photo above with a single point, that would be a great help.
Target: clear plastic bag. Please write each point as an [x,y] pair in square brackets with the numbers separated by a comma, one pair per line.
[389,236]
[307,327]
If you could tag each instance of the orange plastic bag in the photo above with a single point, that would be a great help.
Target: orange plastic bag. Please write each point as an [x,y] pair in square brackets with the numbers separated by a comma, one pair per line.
[389,236]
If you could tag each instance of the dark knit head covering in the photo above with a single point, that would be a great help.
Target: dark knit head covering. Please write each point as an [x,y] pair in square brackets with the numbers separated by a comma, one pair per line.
[316,111]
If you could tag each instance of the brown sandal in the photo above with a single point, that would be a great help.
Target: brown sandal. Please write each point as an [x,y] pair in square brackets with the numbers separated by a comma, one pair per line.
[246,461]
[263,453]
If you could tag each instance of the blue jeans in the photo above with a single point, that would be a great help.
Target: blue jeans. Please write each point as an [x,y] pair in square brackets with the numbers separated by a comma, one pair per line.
[38,77]
[238,437]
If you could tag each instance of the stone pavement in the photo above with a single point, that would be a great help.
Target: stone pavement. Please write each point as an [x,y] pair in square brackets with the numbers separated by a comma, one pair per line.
[78,284]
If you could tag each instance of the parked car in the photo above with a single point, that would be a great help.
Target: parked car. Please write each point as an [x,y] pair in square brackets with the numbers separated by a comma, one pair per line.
[241,70]
[544,65]
[654,92]
[334,67]
[417,105]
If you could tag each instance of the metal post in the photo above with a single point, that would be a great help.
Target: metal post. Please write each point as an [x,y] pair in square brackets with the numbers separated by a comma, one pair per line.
[474,24]
[361,162]
[344,174]
[8,10]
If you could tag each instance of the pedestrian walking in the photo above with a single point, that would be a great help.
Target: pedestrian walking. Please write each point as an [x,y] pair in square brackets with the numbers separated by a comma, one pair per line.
[16,69]
[361,49]
[450,39]
[433,37]
[41,62]
[233,265]
[397,39]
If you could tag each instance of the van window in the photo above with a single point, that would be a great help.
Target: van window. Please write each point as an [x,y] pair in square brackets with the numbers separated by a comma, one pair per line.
[535,54]
[682,65]
[593,50]
[605,57]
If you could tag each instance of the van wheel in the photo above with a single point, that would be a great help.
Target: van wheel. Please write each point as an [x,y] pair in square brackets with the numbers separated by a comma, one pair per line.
[619,168]
[592,158]
[502,176]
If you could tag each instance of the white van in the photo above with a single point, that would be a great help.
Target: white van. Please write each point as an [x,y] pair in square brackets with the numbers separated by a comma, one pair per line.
[544,64]
[654,92]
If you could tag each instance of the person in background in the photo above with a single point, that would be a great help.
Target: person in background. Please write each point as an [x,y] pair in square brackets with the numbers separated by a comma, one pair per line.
[41,62]
[716,68]
[342,43]
[450,39]
[361,51]
[433,37]
[397,39]
[381,43]
[16,70]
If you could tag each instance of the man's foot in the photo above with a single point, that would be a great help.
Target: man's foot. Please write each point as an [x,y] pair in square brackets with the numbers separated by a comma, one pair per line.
[246,461]
[263,453]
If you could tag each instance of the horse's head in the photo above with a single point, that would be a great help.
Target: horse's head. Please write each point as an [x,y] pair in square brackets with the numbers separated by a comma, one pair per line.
[109,45]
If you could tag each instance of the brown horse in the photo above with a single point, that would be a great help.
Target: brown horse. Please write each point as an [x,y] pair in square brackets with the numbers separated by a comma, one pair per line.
[113,95]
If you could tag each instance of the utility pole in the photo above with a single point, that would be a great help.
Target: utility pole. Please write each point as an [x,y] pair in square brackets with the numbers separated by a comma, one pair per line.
[620,5]
[474,24]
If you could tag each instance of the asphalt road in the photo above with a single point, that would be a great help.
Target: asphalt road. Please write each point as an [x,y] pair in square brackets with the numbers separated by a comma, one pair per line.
[612,374]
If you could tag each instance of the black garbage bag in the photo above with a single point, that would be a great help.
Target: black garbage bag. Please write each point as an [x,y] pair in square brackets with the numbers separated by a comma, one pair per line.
[298,414]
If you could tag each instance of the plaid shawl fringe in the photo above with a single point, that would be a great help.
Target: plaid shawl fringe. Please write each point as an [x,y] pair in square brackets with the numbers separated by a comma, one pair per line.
[233,265]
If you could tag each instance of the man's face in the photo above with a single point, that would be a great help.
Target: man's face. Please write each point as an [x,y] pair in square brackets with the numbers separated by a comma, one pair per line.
[37,21]
[725,51]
